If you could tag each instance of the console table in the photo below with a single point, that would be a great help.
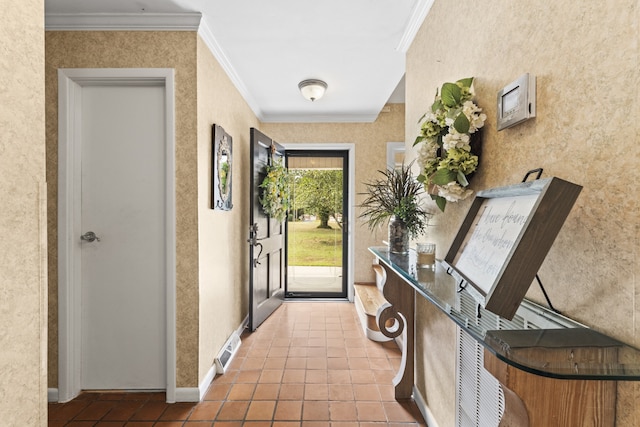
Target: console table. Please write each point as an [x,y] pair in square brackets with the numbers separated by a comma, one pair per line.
[553,370]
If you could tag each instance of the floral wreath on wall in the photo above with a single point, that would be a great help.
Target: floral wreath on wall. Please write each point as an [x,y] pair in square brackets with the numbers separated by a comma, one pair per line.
[445,156]
[275,190]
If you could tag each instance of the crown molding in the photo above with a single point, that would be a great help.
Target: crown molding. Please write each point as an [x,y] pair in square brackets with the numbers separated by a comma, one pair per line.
[152,22]
[209,39]
[122,21]
[418,14]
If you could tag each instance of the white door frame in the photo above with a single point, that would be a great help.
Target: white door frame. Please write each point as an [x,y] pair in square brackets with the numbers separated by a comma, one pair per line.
[70,82]
[351,149]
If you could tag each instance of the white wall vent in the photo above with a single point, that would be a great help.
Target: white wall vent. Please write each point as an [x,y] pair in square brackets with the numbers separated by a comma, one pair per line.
[227,353]
[479,396]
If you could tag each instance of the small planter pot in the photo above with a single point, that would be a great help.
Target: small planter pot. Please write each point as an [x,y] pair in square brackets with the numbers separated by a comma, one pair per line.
[398,236]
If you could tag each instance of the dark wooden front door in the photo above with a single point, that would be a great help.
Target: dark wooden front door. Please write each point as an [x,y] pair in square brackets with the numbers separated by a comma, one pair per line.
[266,238]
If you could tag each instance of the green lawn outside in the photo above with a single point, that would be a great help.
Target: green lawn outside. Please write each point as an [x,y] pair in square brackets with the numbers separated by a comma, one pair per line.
[313,246]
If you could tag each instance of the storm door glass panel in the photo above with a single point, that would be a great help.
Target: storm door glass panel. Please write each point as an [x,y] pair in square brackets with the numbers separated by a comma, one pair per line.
[316,238]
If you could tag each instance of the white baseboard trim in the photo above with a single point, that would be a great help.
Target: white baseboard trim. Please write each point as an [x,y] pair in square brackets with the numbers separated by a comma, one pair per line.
[193,394]
[188,394]
[52,395]
[243,326]
[196,394]
[424,409]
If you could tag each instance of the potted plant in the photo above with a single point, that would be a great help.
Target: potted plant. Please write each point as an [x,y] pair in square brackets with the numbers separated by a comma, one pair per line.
[395,197]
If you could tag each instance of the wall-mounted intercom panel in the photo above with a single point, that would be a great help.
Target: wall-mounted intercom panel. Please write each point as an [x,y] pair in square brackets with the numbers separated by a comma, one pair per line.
[517,101]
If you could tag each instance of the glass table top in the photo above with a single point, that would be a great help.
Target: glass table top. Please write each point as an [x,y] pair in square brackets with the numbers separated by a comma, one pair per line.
[536,340]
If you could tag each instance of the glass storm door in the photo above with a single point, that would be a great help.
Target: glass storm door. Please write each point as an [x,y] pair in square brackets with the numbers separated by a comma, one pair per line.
[316,226]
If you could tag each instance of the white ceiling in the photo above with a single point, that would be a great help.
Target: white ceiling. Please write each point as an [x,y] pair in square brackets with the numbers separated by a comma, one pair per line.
[266,47]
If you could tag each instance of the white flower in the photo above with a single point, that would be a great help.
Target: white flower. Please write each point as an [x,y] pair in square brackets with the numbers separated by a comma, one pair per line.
[474,114]
[456,140]
[469,108]
[477,122]
[427,152]
[453,191]
[430,117]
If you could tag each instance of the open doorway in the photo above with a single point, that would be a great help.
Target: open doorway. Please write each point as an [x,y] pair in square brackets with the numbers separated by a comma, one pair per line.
[317,232]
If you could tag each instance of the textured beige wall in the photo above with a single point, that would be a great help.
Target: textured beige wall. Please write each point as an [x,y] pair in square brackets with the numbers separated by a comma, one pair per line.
[370,140]
[23,264]
[585,57]
[222,235]
[137,50]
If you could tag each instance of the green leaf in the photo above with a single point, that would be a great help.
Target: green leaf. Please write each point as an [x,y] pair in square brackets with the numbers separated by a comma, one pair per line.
[437,105]
[461,123]
[466,82]
[420,119]
[421,178]
[462,179]
[419,139]
[443,177]
[451,94]
[440,201]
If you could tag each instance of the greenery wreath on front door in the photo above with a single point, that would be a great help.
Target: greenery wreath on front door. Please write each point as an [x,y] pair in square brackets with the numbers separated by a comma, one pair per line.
[275,198]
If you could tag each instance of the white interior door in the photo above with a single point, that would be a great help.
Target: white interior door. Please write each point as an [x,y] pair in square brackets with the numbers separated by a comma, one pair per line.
[123,314]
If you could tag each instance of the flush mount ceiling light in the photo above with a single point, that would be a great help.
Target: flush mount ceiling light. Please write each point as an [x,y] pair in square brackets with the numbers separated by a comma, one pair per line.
[312,89]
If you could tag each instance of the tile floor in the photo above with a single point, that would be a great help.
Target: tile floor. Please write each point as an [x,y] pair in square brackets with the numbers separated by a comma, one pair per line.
[309,364]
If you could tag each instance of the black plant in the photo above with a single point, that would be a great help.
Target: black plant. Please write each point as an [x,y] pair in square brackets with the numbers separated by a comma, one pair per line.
[397,194]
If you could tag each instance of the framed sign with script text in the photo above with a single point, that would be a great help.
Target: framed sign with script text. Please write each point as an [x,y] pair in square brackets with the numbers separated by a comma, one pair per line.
[505,237]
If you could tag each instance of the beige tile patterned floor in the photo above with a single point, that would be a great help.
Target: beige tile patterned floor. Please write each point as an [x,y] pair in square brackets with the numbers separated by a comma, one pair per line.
[309,364]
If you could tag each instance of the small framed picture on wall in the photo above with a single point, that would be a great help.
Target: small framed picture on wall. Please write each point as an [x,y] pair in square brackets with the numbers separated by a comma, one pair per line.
[222,165]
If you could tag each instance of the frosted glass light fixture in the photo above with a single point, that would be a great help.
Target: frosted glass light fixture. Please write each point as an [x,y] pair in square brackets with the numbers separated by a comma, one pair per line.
[312,89]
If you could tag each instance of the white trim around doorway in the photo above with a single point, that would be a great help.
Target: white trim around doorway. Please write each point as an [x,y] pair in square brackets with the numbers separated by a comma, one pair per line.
[69,349]
[351,149]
